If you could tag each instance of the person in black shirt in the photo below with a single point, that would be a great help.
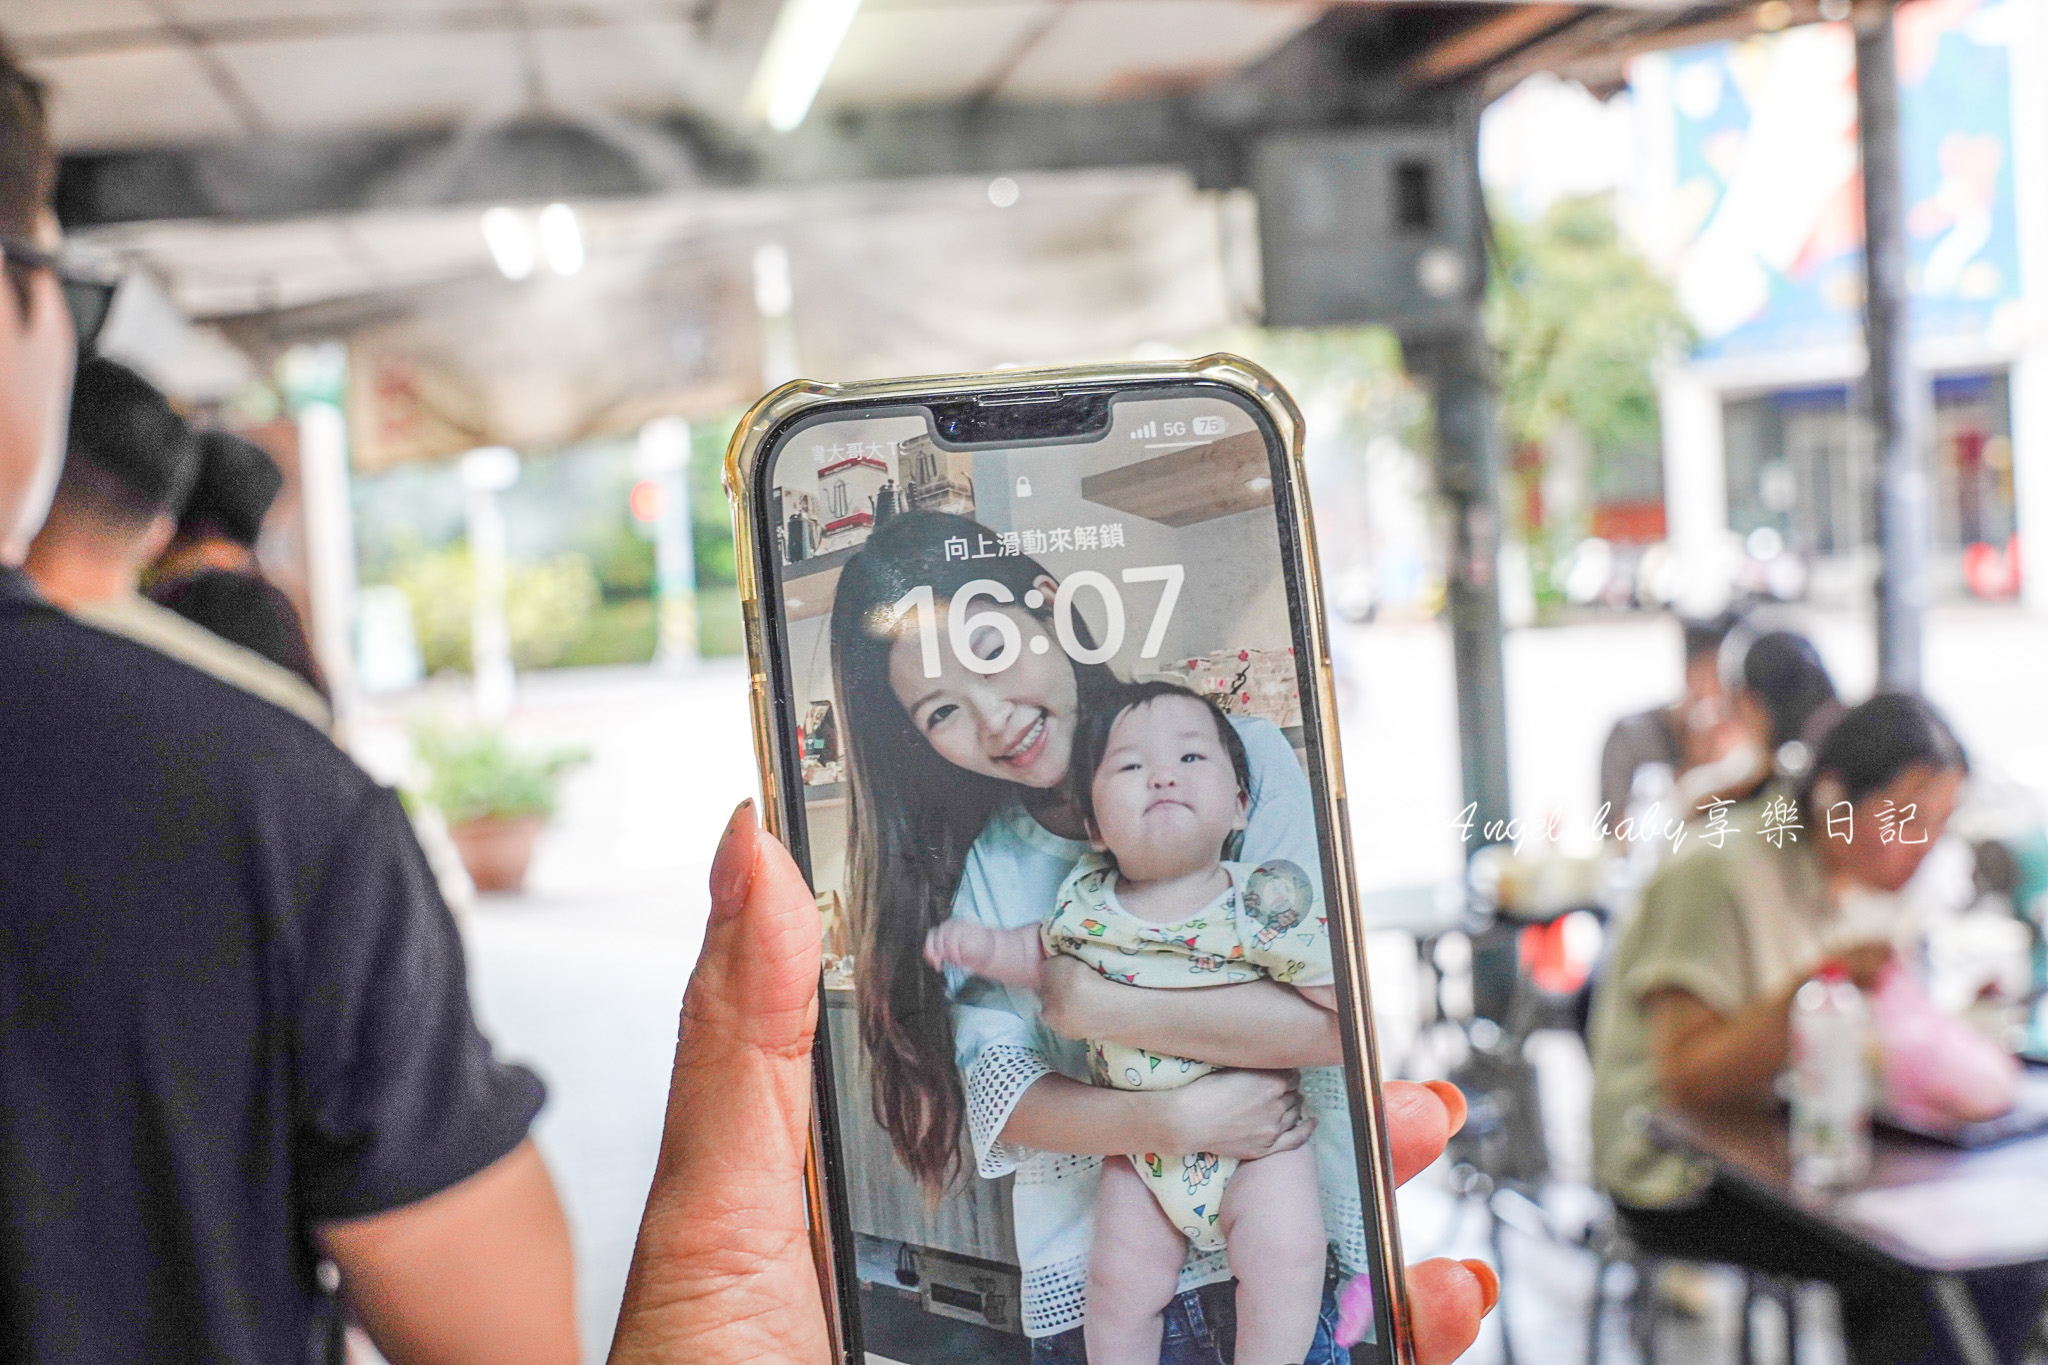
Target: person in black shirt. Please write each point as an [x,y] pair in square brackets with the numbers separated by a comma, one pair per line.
[209,574]
[235,1036]
[128,460]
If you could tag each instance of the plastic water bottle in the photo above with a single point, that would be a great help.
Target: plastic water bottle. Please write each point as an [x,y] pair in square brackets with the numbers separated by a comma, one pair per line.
[1831,1082]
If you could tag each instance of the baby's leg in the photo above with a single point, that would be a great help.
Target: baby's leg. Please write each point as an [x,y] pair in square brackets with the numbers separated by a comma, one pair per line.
[1273,1223]
[1133,1270]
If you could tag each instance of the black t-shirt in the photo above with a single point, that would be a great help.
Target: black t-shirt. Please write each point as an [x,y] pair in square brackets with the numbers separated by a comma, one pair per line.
[232,1006]
[246,609]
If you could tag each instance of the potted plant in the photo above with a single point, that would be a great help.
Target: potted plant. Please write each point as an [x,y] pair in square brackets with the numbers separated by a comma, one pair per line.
[496,798]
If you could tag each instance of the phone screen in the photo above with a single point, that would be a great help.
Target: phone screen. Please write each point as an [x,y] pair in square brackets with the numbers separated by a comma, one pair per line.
[1047,698]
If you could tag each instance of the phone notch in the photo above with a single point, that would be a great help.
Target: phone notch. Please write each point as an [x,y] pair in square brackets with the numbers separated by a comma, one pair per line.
[1022,418]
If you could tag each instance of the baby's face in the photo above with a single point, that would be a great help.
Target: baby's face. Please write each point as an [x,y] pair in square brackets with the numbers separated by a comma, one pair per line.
[1165,793]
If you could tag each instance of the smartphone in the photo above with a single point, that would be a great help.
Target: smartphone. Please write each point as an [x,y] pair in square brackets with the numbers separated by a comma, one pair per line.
[1043,708]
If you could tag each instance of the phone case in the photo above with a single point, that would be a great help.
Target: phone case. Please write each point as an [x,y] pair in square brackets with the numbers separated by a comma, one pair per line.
[752,440]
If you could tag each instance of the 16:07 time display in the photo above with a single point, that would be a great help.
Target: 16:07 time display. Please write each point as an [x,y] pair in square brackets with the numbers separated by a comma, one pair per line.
[963,623]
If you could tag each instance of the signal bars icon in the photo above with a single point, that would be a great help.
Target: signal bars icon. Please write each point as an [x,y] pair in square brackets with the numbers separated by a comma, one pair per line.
[1146,432]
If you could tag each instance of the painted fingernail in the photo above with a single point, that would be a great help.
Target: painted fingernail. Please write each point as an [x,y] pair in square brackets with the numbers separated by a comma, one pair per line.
[1453,1098]
[732,869]
[1489,1283]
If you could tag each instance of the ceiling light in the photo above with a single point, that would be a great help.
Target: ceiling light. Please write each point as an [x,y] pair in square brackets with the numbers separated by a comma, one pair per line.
[561,239]
[799,53]
[1003,191]
[511,244]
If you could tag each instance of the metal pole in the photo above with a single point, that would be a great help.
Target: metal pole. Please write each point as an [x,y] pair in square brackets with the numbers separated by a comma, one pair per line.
[487,472]
[664,456]
[315,379]
[1468,476]
[774,298]
[330,552]
[1892,386]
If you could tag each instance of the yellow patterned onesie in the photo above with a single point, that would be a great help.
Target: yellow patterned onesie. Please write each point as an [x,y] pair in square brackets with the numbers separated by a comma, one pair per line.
[1267,924]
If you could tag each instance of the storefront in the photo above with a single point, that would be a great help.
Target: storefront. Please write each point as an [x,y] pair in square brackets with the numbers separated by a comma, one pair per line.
[1800,465]
[1749,195]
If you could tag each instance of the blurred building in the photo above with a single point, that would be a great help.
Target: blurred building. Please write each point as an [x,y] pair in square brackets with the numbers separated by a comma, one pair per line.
[1747,190]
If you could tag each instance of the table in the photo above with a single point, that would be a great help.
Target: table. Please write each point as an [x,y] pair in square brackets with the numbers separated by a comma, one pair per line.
[1933,1209]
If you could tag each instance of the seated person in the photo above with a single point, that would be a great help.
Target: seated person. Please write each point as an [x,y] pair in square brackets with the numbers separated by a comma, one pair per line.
[1158,905]
[128,466]
[1783,702]
[1695,1010]
[1697,728]
[210,575]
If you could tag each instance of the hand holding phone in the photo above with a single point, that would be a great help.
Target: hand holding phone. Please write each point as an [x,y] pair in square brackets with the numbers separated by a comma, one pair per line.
[1041,691]
[722,1273]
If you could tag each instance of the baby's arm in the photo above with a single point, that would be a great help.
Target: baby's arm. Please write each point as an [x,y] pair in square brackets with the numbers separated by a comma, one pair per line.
[1280,898]
[1013,957]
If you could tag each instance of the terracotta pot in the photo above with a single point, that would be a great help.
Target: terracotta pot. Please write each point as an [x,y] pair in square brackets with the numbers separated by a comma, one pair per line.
[496,851]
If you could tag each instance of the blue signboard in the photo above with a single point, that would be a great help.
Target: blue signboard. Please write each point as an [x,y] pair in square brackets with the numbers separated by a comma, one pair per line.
[1765,187]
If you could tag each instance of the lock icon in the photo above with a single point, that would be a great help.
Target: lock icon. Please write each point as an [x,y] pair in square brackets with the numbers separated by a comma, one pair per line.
[1023,486]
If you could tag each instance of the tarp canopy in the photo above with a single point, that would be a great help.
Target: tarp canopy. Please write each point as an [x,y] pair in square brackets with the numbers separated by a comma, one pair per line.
[300,169]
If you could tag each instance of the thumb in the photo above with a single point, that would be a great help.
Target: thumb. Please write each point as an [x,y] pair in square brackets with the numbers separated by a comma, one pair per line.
[722,1271]
[756,983]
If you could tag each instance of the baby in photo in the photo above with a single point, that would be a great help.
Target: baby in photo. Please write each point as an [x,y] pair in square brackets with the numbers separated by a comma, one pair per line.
[1162,781]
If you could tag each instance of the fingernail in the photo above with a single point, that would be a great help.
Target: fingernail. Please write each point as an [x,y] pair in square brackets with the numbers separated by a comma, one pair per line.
[733,866]
[1489,1283]
[1453,1098]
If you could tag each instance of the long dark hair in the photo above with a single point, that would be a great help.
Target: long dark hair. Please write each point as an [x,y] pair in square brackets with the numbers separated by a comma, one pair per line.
[1784,672]
[1875,742]
[913,817]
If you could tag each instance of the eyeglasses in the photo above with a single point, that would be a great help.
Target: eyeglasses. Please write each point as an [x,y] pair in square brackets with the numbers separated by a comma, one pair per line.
[90,299]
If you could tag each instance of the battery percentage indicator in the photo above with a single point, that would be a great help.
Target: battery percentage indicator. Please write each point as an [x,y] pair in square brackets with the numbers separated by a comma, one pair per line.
[1167,429]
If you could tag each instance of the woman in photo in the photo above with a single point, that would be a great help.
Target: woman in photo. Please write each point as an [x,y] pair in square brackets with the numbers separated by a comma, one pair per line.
[960,807]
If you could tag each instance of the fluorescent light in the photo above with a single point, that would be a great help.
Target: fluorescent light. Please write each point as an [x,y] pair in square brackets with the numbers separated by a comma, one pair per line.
[511,245]
[799,53]
[561,239]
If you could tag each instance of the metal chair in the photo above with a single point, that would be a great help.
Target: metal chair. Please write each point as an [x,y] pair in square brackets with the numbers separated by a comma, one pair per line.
[1612,1246]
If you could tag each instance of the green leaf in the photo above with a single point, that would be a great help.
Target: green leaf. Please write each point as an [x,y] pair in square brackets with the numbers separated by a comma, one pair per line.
[476,773]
